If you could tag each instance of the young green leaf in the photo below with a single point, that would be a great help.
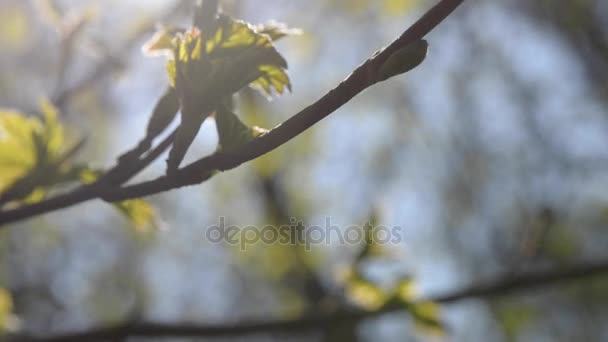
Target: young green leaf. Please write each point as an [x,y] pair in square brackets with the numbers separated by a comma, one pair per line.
[403,60]
[164,112]
[43,158]
[186,132]
[212,62]
[426,316]
[232,131]
[138,212]
[235,52]
[366,295]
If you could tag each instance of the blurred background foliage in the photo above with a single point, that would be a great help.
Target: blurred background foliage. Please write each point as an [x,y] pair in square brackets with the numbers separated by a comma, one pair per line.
[490,156]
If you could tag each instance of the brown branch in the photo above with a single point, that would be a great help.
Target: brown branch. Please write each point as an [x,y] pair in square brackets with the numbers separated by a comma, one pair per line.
[316,322]
[195,173]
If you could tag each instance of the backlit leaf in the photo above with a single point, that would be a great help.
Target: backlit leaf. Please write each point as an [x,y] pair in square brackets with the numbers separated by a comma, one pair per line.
[426,317]
[272,77]
[34,155]
[406,290]
[17,150]
[232,131]
[235,54]
[138,212]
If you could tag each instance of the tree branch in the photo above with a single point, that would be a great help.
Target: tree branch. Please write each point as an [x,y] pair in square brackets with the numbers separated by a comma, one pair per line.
[316,322]
[197,172]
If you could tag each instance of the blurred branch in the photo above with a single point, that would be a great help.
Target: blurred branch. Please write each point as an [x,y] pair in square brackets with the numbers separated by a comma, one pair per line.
[107,64]
[315,322]
[579,25]
[360,79]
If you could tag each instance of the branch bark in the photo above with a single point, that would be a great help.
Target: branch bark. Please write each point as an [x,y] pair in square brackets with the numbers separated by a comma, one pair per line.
[316,322]
[360,79]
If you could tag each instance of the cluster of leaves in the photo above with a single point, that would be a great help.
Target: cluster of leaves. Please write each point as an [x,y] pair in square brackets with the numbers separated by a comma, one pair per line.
[369,296]
[37,156]
[206,67]
[366,295]
[34,155]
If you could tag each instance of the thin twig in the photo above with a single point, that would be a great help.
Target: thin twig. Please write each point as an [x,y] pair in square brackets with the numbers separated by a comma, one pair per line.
[316,322]
[110,63]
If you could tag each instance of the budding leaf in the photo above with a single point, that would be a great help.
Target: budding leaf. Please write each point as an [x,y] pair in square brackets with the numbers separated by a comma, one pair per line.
[34,155]
[165,111]
[234,52]
[404,60]
[208,64]
[140,213]
[186,132]
[232,131]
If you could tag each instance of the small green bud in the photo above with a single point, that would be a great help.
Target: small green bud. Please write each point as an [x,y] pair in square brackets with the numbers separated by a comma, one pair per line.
[232,132]
[404,60]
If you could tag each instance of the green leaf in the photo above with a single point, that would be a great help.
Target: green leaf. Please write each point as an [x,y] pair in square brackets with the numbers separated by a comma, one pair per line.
[426,314]
[235,54]
[404,60]
[34,155]
[172,72]
[186,133]
[138,212]
[232,131]
[252,53]
[426,317]
[272,77]
[406,291]
[163,41]
[164,113]
[53,134]
[366,295]
[209,67]
[16,132]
